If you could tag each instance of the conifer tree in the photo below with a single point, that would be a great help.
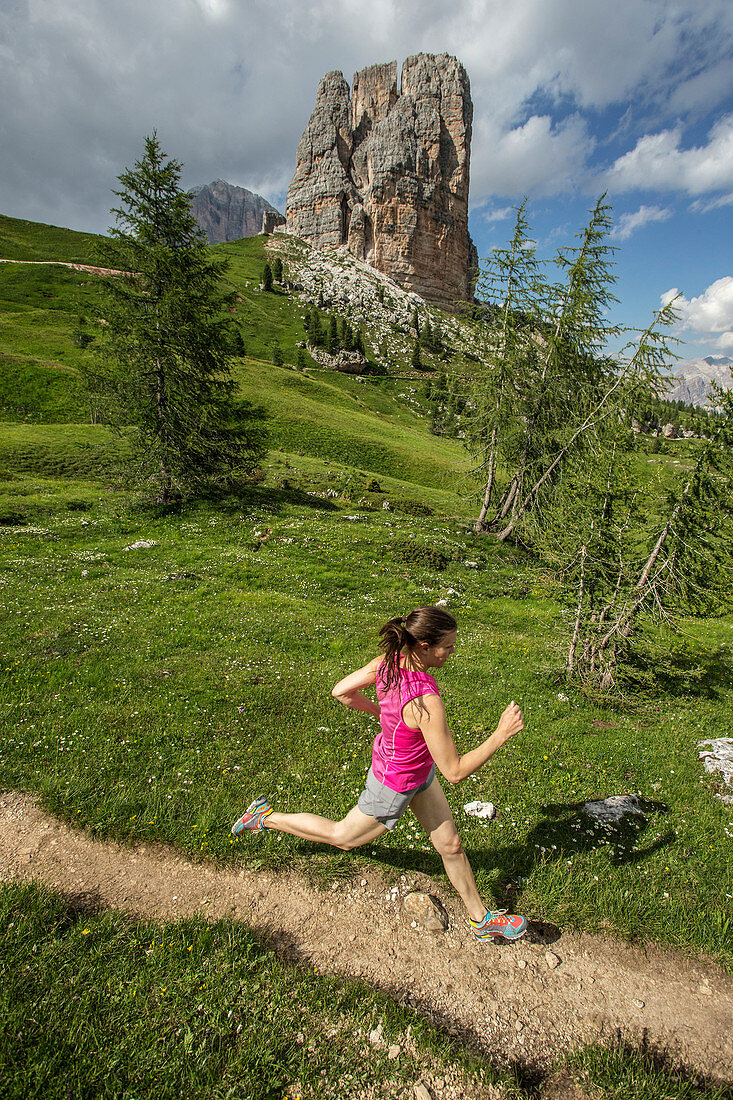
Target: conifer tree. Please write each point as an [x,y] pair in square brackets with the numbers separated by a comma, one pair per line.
[332,340]
[512,289]
[277,269]
[267,277]
[415,360]
[165,368]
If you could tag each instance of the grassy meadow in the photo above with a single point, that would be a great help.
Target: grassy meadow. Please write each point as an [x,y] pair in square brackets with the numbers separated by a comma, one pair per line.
[150,691]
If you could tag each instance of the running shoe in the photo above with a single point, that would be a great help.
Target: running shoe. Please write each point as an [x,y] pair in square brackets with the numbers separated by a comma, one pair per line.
[253,817]
[510,926]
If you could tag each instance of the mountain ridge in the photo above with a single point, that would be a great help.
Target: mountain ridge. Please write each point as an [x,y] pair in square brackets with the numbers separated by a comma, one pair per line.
[227,212]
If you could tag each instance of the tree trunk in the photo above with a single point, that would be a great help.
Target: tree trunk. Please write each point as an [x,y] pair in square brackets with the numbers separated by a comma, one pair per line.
[578,613]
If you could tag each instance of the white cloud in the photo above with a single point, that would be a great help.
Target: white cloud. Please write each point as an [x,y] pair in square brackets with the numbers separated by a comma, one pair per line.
[535,158]
[497,213]
[704,206]
[629,223]
[710,315]
[658,163]
[229,85]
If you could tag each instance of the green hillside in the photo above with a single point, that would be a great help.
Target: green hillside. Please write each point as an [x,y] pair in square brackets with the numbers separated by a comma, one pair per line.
[24,240]
[312,412]
[163,666]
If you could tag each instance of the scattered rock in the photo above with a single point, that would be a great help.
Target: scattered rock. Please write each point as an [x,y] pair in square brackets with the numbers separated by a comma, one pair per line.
[393,1052]
[421,1093]
[552,960]
[142,544]
[717,756]
[638,1004]
[521,963]
[375,1036]
[480,809]
[426,912]
[609,810]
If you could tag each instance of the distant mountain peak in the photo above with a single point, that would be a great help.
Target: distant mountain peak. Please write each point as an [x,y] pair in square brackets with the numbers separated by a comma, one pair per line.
[226,212]
[692,378]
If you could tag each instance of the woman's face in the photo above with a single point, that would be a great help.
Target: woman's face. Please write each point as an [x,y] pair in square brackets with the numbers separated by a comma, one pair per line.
[435,656]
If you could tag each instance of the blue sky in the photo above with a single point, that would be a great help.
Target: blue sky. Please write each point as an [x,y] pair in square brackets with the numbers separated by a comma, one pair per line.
[571,98]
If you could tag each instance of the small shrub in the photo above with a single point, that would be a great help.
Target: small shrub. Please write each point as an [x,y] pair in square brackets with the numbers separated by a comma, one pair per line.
[78,505]
[374,486]
[12,519]
[413,508]
[410,552]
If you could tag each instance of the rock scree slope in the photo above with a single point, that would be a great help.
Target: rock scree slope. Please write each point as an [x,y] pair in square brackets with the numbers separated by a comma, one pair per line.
[384,172]
[524,1003]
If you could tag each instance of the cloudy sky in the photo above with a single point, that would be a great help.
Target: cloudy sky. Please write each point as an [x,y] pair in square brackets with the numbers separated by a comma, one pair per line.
[571,98]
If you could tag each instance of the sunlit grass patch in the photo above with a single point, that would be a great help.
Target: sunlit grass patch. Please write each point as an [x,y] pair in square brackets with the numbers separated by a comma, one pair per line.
[151,690]
[96,1004]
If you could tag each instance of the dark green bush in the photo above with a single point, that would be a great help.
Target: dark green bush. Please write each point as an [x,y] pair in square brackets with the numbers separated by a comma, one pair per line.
[410,552]
[12,519]
[413,508]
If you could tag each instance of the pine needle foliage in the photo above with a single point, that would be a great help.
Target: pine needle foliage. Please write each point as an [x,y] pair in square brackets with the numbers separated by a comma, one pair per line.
[542,370]
[624,563]
[165,365]
[548,410]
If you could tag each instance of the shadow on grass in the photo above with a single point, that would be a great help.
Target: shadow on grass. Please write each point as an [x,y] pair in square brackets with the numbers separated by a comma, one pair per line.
[680,672]
[564,832]
[247,498]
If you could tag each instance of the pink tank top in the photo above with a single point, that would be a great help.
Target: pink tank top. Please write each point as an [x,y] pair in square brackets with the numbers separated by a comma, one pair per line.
[400,758]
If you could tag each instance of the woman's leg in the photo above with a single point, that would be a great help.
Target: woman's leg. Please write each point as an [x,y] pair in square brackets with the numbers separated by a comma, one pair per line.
[433,812]
[351,832]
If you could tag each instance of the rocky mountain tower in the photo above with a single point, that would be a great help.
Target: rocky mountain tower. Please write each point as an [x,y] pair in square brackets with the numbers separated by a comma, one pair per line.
[384,172]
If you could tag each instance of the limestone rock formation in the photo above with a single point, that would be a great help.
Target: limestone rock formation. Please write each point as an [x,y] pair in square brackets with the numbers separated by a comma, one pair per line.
[384,171]
[271,221]
[227,213]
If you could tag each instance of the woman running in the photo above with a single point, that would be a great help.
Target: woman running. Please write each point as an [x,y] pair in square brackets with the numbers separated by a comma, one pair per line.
[414,737]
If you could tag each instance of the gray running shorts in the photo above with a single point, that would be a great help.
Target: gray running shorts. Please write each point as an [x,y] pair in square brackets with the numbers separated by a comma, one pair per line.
[387,805]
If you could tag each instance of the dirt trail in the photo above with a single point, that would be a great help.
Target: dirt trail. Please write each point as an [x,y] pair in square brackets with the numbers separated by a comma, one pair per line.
[514,1001]
[66,263]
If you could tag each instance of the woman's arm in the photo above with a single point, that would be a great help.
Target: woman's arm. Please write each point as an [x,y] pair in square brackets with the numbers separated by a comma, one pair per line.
[429,715]
[348,691]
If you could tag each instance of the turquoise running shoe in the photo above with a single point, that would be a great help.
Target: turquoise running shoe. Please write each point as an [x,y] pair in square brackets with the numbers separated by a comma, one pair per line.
[253,817]
[511,926]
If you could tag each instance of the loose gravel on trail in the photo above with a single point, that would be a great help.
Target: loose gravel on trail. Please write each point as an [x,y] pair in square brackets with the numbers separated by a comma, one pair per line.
[527,1002]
